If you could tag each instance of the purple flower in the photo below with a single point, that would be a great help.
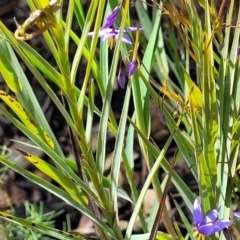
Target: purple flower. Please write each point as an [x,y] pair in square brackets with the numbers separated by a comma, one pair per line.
[127,72]
[207,225]
[113,33]
[108,31]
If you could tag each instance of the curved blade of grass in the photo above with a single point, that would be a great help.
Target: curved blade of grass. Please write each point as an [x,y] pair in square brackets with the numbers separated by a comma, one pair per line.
[61,163]
[90,113]
[27,97]
[165,236]
[105,181]
[57,192]
[3,233]
[183,143]
[6,68]
[194,92]
[100,155]
[69,21]
[39,4]
[160,161]
[210,116]
[28,122]
[177,181]
[160,236]
[101,145]
[104,56]
[112,125]
[43,65]
[84,42]
[117,155]
[57,176]
[129,148]
[41,80]
[79,14]
[120,135]
[141,104]
[160,54]
[39,227]
[200,160]
[229,106]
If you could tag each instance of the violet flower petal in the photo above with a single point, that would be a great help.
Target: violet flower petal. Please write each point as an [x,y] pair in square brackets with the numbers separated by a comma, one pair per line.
[106,32]
[221,224]
[101,33]
[122,80]
[126,39]
[211,216]
[132,67]
[90,34]
[197,212]
[111,18]
[236,214]
[132,29]
[212,228]
[206,230]
[108,35]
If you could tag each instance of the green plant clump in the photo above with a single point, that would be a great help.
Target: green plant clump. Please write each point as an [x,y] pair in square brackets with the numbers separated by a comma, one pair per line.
[192,50]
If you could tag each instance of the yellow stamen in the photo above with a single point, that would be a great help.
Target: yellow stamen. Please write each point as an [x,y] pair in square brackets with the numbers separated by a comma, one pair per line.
[195,233]
[111,42]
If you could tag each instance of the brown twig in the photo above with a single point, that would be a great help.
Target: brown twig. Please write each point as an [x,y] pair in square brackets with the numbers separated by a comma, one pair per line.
[162,204]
